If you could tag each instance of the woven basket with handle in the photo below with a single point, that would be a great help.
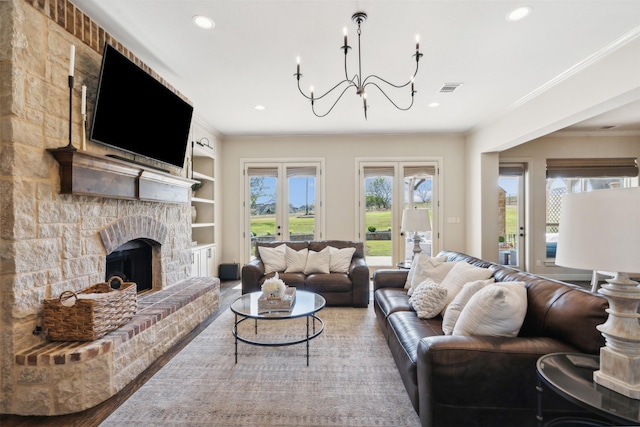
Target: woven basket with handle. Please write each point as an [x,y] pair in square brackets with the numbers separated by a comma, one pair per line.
[91,313]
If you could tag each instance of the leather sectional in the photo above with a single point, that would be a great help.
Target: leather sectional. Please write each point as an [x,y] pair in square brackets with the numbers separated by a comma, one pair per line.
[455,380]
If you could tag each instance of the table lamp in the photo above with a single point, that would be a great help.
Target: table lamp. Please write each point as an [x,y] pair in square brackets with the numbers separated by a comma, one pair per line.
[600,230]
[415,220]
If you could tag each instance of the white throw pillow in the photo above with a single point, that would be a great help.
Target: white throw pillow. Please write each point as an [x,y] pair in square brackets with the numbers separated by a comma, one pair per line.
[274,259]
[340,259]
[414,266]
[429,268]
[318,262]
[452,313]
[461,273]
[428,299]
[296,260]
[497,310]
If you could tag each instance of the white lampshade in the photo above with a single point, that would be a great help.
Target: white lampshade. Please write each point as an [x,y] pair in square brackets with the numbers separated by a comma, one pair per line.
[600,230]
[415,220]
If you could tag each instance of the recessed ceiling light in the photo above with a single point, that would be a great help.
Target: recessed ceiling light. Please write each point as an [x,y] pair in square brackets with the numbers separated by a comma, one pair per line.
[260,107]
[518,13]
[204,22]
[434,104]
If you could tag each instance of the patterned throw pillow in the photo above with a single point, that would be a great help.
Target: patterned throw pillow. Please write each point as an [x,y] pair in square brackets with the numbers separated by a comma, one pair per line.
[428,299]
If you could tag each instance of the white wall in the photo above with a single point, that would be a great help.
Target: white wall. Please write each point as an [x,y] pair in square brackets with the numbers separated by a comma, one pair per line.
[340,154]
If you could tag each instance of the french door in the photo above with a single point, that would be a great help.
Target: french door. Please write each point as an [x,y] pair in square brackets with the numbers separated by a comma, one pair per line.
[386,188]
[282,201]
[511,211]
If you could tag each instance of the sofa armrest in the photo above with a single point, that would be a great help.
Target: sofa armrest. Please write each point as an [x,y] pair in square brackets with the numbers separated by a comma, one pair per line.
[488,372]
[359,275]
[389,279]
[252,272]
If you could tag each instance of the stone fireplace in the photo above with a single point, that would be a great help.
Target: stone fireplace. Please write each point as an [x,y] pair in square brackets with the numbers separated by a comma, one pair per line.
[51,242]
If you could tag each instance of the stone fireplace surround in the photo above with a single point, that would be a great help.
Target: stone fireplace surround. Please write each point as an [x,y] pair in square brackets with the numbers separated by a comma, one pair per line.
[51,242]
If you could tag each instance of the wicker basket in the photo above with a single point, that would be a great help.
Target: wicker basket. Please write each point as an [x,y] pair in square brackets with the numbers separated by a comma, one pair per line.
[91,313]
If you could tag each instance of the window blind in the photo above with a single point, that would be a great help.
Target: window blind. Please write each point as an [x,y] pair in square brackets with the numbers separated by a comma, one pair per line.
[592,168]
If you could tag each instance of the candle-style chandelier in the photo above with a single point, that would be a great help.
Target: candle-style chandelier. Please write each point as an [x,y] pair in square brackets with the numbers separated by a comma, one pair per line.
[357,81]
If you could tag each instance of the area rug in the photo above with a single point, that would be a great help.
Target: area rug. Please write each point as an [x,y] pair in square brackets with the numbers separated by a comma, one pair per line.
[351,379]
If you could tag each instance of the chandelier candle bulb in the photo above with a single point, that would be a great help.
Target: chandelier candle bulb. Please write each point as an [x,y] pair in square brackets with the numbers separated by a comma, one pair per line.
[345,37]
[298,65]
[417,43]
[72,59]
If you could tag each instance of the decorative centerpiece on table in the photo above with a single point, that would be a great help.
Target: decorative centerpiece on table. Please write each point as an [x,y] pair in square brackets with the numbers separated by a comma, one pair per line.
[276,295]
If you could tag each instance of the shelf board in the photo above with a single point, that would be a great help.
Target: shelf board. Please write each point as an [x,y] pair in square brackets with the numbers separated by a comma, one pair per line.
[199,175]
[201,200]
[203,224]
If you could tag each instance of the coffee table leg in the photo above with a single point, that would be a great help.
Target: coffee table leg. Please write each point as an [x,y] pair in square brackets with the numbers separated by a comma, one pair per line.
[236,335]
[314,327]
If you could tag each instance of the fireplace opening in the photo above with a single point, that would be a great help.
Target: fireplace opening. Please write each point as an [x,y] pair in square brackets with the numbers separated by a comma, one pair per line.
[132,262]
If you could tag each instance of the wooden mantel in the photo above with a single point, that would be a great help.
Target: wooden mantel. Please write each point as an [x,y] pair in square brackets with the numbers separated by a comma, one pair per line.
[86,174]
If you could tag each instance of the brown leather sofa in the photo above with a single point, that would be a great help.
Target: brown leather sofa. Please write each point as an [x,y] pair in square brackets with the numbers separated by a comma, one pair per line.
[338,289]
[486,381]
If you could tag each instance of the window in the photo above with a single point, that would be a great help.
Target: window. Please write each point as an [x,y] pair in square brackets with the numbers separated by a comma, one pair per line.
[578,175]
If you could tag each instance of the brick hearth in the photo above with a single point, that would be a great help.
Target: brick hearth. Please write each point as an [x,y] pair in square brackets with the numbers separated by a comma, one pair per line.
[69,377]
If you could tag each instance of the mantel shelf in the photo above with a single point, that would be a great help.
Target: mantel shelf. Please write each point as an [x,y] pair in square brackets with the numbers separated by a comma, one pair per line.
[86,174]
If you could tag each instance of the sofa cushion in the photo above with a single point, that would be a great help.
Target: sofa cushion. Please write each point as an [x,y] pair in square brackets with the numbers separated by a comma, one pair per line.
[296,260]
[274,259]
[452,313]
[318,262]
[340,259]
[331,282]
[390,300]
[295,280]
[496,310]
[428,299]
[461,273]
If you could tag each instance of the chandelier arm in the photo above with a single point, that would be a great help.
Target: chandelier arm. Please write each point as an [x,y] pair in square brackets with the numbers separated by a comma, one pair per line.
[315,98]
[373,76]
[334,104]
[390,100]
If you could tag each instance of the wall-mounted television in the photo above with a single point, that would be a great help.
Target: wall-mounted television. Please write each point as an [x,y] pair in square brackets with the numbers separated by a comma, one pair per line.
[134,112]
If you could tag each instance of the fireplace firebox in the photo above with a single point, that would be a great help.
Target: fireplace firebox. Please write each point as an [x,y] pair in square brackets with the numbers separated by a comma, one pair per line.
[132,262]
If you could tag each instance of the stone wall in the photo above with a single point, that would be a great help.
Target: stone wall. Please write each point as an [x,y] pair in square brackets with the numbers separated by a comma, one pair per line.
[51,242]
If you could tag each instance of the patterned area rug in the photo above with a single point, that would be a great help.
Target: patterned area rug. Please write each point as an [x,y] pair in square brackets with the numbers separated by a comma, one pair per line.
[351,379]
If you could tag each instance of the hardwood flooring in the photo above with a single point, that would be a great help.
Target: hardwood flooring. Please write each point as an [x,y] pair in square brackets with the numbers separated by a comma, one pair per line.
[229,291]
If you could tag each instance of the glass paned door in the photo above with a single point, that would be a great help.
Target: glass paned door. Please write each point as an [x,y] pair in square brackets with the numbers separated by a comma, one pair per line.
[281,201]
[418,190]
[387,188]
[378,215]
[511,226]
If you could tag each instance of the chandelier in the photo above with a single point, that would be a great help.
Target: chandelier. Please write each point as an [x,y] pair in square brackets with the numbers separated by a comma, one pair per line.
[359,82]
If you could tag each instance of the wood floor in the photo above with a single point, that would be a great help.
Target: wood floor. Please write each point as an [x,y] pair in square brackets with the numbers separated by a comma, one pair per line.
[229,291]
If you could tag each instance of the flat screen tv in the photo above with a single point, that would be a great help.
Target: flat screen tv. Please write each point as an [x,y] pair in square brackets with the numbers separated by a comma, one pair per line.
[134,112]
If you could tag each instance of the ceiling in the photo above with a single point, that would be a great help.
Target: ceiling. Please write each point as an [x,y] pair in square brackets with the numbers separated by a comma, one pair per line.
[249,58]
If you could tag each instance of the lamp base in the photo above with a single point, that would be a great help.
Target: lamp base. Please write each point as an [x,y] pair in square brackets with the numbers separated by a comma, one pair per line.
[620,358]
[416,245]
[619,372]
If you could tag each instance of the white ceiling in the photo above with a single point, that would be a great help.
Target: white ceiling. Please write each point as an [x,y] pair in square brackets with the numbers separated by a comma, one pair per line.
[249,57]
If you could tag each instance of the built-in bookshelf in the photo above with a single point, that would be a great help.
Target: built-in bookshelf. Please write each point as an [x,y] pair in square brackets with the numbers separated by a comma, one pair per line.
[203,203]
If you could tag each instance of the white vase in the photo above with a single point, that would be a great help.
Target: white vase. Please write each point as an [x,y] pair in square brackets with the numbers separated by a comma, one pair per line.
[194,214]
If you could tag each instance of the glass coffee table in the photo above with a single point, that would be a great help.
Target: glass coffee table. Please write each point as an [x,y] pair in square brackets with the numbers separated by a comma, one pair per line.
[306,304]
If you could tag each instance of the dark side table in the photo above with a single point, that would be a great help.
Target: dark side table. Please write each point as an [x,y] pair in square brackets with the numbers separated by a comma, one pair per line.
[570,375]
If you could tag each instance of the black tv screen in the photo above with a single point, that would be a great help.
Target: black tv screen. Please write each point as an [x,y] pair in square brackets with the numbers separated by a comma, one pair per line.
[136,113]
